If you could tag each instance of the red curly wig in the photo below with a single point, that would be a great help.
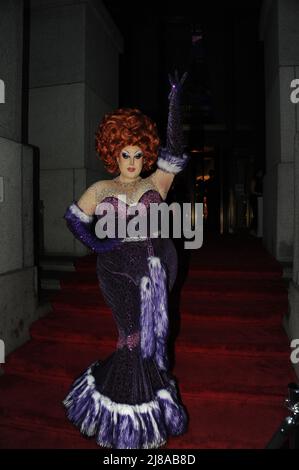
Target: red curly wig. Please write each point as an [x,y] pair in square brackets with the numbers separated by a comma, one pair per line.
[126,126]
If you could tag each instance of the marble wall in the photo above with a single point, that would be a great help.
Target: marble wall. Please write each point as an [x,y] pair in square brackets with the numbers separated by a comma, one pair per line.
[18,274]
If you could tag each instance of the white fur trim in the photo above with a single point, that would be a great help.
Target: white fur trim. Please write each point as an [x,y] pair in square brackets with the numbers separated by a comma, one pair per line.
[154,261]
[166,166]
[135,412]
[121,408]
[170,166]
[80,214]
[163,393]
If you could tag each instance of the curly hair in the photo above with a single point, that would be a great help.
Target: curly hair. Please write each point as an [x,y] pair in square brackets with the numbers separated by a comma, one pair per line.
[126,126]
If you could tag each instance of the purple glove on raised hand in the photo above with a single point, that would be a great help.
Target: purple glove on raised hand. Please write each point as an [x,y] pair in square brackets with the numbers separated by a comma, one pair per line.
[172,159]
[80,223]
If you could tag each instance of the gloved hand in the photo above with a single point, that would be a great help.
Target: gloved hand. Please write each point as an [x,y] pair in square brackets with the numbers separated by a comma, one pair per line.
[176,83]
[80,223]
[174,141]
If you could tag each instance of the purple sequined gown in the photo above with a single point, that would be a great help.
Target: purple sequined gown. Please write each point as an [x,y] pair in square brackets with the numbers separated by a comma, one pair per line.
[129,399]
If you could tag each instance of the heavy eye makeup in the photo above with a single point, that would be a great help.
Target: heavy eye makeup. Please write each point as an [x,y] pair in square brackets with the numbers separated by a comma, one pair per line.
[126,155]
[138,155]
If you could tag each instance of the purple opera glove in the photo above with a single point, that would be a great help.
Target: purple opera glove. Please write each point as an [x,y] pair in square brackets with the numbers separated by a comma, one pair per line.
[79,224]
[174,139]
[172,159]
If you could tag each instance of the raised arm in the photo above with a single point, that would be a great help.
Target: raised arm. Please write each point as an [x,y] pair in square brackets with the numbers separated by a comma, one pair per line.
[171,159]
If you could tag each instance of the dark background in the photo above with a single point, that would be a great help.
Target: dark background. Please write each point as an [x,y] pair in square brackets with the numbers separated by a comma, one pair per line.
[217,42]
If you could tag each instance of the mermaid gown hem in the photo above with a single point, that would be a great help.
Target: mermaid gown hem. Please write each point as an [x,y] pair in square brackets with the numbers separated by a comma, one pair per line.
[120,425]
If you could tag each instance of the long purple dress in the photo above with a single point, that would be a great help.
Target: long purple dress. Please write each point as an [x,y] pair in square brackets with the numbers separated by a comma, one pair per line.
[130,399]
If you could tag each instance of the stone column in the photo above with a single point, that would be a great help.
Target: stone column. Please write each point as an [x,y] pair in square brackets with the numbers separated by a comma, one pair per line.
[18,274]
[74,55]
[293,315]
[280,30]
[280,33]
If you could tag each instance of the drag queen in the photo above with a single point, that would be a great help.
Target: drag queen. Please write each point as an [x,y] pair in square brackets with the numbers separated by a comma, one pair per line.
[129,400]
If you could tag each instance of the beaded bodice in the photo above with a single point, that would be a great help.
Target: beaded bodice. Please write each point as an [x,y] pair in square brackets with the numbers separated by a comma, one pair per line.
[124,195]
[133,191]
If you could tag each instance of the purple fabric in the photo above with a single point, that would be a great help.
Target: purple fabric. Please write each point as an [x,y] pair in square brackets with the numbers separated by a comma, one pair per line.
[148,344]
[174,141]
[81,229]
[154,313]
[120,207]
[158,276]
[125,427]
[171,159]
[129,399]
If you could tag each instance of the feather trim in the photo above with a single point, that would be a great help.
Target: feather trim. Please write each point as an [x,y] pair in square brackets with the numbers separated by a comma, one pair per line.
[171,163]
[154,313]
[75,209]
[123,426]
[147,339]
[158,276]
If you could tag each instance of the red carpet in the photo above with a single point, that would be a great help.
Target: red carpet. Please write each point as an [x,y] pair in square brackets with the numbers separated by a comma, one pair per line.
[231,353]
